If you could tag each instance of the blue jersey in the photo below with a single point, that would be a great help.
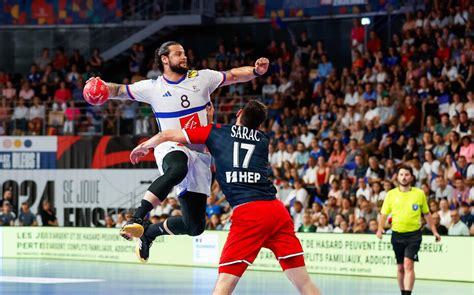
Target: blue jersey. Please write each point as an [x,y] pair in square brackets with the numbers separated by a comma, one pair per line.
[241,157]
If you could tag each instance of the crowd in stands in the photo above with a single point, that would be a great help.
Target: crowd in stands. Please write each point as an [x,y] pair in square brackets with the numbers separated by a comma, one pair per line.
[337,134]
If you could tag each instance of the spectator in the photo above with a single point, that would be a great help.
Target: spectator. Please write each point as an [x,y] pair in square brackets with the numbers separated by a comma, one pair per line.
[442,230]
[466,215]
[460,194]
[128,113]
[48,217]
[72,115]
[444,213]
[323,224]
[120,220]
[43,60]
[7,217]
[109,222]
[297,212]
[457,227]
[60,61]
[96,61]
[26,218]
[300,194]
[373,226]
[363,190]
[366,211]
[37,116]
[342,228]
[20,117]
[214,223]
[307,226]
[360,226]
[78,60]
[212,207]
[61,96]
[444,190]
[26,92]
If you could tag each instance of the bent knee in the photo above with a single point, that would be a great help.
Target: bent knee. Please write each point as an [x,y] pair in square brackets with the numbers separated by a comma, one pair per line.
[196,230]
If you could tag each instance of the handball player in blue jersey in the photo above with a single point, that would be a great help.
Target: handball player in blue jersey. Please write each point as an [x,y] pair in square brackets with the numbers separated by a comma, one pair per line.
[259,219]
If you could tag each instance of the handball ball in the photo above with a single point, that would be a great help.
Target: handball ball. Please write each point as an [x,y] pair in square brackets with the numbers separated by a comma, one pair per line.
[96,92]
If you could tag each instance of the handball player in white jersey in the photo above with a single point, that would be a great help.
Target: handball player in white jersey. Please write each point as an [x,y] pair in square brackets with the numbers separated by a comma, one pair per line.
[179,99]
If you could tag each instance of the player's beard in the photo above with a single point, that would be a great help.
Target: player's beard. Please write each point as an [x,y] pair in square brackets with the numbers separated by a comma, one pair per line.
[177,68]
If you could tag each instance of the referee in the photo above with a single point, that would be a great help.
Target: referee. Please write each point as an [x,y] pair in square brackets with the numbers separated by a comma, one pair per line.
[406,204]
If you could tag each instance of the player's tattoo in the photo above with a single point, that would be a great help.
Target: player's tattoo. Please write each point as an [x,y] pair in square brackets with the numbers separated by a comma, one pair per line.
[117,91]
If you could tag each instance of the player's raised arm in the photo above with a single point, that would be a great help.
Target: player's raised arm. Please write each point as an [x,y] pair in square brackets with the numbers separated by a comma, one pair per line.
[245,74]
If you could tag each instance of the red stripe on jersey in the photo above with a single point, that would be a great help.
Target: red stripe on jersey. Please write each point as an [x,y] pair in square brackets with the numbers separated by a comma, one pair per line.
[198,134]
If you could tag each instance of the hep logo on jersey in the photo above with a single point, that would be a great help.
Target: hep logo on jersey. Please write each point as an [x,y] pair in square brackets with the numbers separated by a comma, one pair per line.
[190,122]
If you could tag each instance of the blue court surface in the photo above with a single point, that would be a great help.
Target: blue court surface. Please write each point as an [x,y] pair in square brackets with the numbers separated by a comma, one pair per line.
[34,276]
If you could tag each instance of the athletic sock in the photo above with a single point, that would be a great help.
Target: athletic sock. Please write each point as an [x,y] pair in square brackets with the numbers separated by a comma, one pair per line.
[407,292]
[143,210]
[155,230]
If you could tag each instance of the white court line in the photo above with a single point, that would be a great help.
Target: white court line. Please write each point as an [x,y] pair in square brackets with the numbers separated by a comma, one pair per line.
[33,280]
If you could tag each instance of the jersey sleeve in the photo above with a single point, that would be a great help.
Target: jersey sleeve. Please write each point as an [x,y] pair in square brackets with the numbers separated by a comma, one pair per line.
[387,204]
[141,91]
[214,79]
[424,203]
[198,135]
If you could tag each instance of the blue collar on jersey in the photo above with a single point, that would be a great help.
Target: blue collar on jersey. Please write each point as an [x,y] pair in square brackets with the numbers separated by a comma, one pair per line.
[175,82]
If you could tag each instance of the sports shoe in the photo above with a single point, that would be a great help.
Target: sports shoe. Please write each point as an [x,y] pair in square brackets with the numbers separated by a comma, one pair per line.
[142,250]
[132,229]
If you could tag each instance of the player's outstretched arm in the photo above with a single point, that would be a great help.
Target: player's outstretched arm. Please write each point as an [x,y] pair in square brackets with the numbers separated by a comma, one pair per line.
[168,135]
[116,91]
[245,74]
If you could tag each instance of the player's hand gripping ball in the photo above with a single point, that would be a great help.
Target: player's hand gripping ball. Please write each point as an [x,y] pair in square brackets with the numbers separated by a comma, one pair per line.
[96,91]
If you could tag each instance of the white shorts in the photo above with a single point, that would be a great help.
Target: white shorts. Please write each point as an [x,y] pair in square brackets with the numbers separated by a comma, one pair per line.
[199,176]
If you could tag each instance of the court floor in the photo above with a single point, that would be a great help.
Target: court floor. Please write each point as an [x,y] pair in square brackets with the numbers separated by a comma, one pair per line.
[34,276]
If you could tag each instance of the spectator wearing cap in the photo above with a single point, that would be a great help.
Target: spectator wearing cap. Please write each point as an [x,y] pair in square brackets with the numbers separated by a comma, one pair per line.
[457,227]
[26,218]
[7,217]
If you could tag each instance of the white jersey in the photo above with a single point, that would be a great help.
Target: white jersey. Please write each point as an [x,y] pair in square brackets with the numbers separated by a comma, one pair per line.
[181,104]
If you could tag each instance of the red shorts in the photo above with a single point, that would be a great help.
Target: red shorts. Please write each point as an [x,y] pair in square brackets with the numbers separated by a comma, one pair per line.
[260,224]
